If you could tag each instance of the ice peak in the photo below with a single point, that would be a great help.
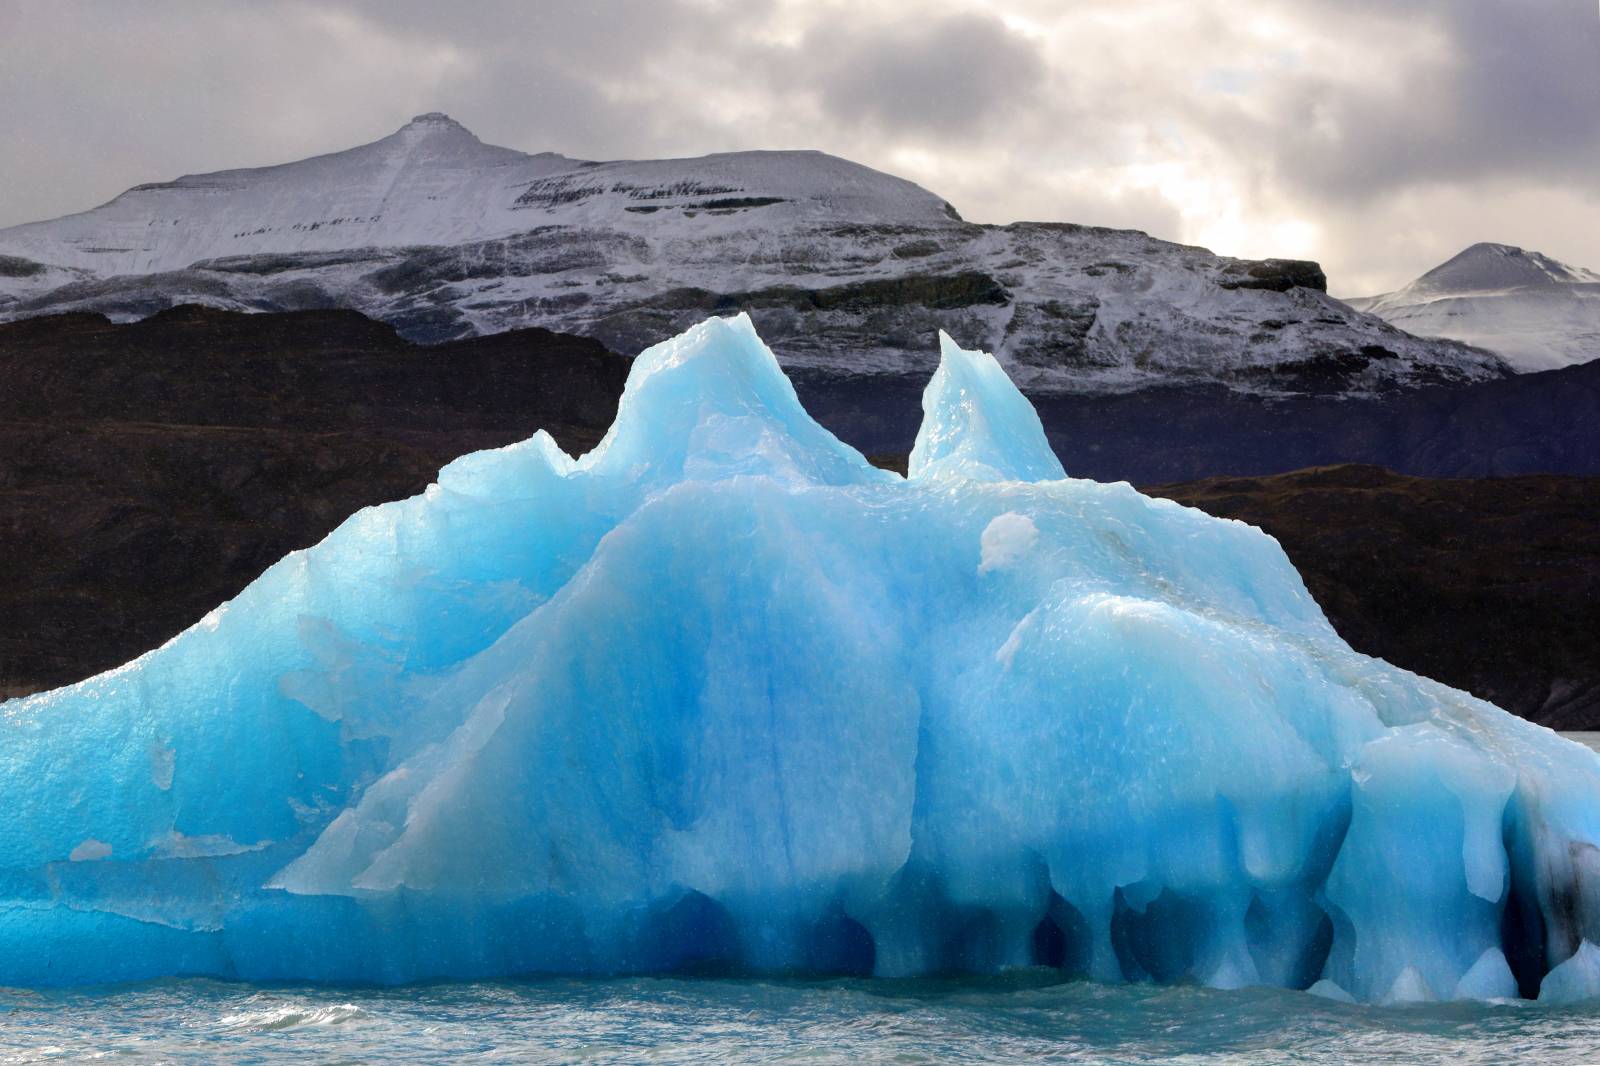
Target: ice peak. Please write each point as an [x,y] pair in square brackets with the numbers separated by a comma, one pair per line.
[712,403]
[976,425]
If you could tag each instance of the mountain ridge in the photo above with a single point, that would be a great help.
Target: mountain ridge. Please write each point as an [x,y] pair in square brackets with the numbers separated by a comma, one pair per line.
[376,185]
[846,269]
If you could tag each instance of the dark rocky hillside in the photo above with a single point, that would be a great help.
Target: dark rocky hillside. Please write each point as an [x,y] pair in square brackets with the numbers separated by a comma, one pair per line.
[1488,584]
[150,471]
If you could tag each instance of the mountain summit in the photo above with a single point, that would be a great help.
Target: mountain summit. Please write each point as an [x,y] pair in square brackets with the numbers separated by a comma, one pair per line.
[844,268]
[433,182]
[1536,312]
[1486,267]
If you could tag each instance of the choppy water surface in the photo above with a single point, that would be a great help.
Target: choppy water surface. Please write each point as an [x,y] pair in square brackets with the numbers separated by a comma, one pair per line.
[713,1021]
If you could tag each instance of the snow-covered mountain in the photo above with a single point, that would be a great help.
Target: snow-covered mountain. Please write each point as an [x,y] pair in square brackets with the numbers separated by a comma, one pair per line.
[844,268]
[1535,312]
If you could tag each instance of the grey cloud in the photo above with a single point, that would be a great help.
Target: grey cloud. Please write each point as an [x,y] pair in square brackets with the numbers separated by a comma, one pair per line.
[1515,94]
[603,79]
[949,77]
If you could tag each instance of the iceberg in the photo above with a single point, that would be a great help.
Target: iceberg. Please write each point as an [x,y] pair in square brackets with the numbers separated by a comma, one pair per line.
[721,694]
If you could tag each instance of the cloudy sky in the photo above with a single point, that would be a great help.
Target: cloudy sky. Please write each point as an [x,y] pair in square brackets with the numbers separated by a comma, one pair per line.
[1378,136]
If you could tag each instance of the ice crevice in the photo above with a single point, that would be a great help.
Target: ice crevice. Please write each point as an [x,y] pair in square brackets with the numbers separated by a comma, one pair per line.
[722,694]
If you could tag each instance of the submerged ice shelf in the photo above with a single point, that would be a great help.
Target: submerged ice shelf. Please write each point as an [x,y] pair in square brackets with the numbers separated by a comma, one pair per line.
[722,693]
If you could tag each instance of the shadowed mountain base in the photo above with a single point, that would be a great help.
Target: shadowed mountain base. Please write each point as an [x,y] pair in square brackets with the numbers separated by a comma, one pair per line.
[148,472]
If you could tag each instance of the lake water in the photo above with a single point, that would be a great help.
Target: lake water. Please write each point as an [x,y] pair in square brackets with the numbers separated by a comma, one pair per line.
[1024,1016]
[1591,740]
[672,1020]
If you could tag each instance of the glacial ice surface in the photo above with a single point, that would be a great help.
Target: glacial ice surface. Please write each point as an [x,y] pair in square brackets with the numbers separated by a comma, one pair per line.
[722,694]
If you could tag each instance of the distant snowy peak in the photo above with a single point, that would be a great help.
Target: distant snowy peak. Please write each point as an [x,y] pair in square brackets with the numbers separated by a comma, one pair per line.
[431,141]
[439,127]
[1534,311]
[1486,268]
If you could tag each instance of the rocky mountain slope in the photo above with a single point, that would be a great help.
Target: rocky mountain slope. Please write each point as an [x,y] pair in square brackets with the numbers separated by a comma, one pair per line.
[844,269]
[1535,312]
[148,471]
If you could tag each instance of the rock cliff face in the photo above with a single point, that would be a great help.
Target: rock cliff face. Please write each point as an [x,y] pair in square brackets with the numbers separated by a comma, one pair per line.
[843,268]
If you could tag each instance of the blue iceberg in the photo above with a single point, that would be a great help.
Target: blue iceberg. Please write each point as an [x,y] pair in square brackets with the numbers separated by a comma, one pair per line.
[722,694]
